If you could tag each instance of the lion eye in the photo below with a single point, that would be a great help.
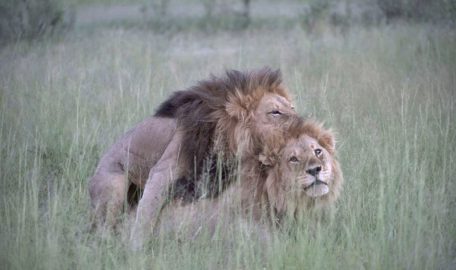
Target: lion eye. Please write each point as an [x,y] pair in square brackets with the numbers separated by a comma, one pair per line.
[294,159]
[317,152]
[275,112]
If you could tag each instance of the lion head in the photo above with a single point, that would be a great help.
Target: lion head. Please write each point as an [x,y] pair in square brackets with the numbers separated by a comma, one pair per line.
[226,119]
[298,173]
[259,111]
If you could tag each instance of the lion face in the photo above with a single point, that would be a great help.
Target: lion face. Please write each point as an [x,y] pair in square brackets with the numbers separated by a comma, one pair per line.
[273,109]
[257,119]
[302,171]
[272,112]
[307,166]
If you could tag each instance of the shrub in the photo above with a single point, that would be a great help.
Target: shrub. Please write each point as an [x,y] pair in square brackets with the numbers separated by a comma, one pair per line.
[342,14]
[30,19]
[420,10]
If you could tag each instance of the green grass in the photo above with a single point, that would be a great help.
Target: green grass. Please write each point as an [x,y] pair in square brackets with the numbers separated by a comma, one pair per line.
[389,92]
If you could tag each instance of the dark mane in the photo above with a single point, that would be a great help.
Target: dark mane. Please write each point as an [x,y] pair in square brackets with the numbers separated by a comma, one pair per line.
[215,90]
[170,107]
[199,111]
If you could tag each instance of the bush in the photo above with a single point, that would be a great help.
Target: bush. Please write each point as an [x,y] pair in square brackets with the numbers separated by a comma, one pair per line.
[345,13]
[420,10]
[341,14]
[217,15]
[30,19]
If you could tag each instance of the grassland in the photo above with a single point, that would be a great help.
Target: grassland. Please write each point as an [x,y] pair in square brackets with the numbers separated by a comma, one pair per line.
[388,91]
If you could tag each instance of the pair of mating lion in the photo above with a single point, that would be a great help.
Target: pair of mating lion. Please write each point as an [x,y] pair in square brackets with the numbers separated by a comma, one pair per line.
[228,140]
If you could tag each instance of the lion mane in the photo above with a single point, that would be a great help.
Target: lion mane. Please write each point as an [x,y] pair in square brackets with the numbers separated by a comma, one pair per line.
[267,178]
[216,119]
[265,193]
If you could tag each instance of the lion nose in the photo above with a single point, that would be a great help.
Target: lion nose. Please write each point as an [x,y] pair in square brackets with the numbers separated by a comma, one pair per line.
[314,171]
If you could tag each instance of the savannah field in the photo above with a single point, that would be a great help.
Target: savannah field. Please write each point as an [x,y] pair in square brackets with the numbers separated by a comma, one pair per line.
[388,91]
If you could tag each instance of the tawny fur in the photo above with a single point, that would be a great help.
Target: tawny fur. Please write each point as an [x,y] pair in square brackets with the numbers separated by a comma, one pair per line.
[223,119]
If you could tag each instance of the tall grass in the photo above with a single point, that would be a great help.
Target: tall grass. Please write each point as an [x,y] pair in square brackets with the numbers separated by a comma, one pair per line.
[389,92]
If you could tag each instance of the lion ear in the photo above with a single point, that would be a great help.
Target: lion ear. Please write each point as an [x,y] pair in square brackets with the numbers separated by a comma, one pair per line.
[236,111]
[239,105]
[328,141]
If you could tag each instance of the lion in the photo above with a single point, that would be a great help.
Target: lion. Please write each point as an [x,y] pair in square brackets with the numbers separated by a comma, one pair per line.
[292,174]
[221,120]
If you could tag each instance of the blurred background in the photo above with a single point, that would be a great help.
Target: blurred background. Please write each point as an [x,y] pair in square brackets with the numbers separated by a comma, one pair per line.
[28,19]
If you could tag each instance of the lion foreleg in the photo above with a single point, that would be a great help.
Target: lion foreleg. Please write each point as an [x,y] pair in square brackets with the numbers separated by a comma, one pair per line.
[160,179]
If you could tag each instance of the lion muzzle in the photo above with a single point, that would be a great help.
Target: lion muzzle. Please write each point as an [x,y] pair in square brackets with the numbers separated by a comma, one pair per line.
[317,188]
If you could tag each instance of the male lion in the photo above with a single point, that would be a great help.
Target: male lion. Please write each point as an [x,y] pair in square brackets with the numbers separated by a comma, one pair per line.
[292,174]
[217,121]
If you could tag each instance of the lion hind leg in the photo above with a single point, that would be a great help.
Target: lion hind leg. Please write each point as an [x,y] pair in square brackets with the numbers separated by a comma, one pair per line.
[108,193]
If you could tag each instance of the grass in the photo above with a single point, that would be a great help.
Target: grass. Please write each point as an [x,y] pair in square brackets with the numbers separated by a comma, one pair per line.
[389,92]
